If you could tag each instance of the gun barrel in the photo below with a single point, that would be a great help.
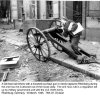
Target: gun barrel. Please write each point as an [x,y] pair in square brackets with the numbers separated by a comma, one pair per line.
[52,30]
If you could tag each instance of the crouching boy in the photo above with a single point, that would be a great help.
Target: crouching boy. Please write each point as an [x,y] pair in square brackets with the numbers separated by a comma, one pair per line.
[74,31]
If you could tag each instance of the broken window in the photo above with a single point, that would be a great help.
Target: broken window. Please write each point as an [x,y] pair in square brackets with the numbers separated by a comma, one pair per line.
[49,9]
[32,9]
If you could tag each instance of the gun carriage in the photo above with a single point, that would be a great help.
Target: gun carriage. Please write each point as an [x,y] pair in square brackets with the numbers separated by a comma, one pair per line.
[39,43]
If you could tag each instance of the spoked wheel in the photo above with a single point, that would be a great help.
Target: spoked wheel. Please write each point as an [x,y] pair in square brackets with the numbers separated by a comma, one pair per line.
[38,44]
[57,23]
[56,45]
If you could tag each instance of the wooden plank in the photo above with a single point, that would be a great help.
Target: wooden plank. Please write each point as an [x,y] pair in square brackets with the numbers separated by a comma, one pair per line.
[5,75]
[1,75]
[9,62]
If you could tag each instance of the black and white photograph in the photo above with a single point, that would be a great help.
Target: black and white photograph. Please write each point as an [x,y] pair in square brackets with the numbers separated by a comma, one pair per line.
[49,41]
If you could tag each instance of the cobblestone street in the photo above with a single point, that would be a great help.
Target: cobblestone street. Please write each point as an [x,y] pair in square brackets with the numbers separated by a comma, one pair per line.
[13,43]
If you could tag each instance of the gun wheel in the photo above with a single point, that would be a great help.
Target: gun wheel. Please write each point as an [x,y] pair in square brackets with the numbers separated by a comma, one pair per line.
[38,44]
[57,46]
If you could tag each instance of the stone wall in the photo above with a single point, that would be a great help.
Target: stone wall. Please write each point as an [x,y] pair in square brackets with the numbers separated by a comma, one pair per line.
[40,24]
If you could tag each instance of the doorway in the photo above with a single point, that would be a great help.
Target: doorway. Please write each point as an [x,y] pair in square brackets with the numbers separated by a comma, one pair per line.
[5,11]
[49,9]
[77,11]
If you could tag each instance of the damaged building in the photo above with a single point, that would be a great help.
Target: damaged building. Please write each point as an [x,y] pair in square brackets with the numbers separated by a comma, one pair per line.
[86,12]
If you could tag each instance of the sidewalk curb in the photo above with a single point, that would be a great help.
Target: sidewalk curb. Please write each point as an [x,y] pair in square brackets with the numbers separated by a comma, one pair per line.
[71,66]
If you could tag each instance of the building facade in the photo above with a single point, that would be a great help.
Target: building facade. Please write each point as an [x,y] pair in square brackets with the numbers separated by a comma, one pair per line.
[92,20]
[41,9]
[85,12]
